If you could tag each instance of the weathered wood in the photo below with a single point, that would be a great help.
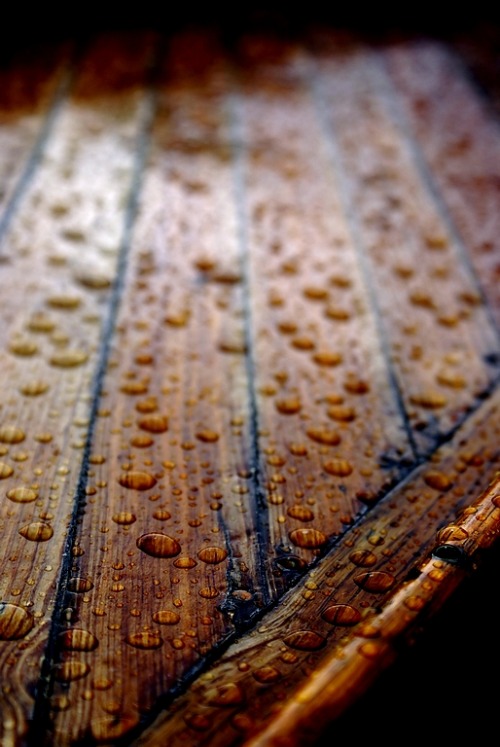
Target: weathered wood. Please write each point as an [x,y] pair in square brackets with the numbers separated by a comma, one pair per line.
[249,351]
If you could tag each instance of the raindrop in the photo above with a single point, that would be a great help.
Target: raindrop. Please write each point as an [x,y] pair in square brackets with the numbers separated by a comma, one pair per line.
[305,640]
[207,436]
[212,555]
[23,347]
[166,617]
[341,614]
[266,675]
[34,388]
[324,436]
[437,480]
[78,639]
[288,405]
[5,471]
[37,531]
[11,434]
[185,563]
[341,413]
[338,467]
[124,517]
[363,558]
[208,592]
[452,533]
[69,671]
[22,495]
[227,695]
[153,423]
[375,581]
[308,538]
[158,545]
[137,480]
[302,513]
[15,621]
[80,584]
[327,358]
[68,358]
[145,639]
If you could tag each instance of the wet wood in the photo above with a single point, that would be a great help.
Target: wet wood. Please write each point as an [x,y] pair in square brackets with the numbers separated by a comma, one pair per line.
[249,415]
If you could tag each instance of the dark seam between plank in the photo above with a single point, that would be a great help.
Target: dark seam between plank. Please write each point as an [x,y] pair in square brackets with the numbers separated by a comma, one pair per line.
[39,727]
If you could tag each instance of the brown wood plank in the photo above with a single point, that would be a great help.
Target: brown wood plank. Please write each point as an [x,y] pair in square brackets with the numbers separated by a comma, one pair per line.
[62,249]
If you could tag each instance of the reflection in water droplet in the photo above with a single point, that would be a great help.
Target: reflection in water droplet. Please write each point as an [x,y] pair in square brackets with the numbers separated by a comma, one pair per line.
[22,495]
[11,434]
[137,480]
[212,555]
[69,671]
[80,584]
[166,617]
[68,358]
[15,622]
[153,423]
[305,640]
[158,545]
[341,614]
[308,538]
[145,639]
[37,531]
[5,470]
[375,581]
[266,675]
[78,639]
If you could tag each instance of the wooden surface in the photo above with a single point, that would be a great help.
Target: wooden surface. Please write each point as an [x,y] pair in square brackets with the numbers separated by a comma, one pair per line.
[249,423]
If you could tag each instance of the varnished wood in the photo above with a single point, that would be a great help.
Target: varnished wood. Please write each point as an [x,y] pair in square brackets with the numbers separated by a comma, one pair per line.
[249,415]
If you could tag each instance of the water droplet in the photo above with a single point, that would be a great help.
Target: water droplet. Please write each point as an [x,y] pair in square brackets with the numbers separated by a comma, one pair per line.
[34,388]
[338,467]
[64,301]
[68,671]
[166,617]
[22,495]
[305,640]
[158,545]
[109,730]
[363,558]
[68,358]
[266,675]
[308,538]
[80,584]
[144,639]
[153,423]
[15,622]
[353,385]
[341,413]
[303,342]
[437,480]
[137,480]
[298,449]
[141,441]
[124,517]
[451,379]
[11,434]
[162,514]
[5,471]
[288,405]
[185,563]
[208,592]
[324,436]
[41,322]
[37,531]
[375,581]
[327,358]
[23,347]
[452,533]
[429,400]
[78,639]
[226,695]
[134,387]
[212,555]
[207,436]
[302,513]
[341,614]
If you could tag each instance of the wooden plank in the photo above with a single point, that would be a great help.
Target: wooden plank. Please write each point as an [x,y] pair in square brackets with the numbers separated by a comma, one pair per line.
[62,249]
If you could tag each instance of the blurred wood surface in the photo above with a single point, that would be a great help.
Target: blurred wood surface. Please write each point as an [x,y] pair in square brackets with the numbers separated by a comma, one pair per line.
[249,430]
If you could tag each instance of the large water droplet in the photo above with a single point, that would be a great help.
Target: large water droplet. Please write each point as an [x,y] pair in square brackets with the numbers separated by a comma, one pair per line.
[22,495]
[325,436]
[338,467]
[78,639]
[437,480]
[124,517]
[15,621]
[144,639]
[308,538]
[5,470]
[37,531]
[158,545]
[68,358]
[212,555]
[153,423]
[137,480]
[166,617]
[375,581]
[341,614]
[302,513]
[11,434]
[69,671]
[305,640]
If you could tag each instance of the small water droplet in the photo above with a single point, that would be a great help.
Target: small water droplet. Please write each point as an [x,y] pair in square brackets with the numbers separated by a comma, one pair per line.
[65,301]
[322,435]
[327,358]
[452,533]
[437,480]
[208,592]
[341,614]
[207,436]
[80,584]
[136,480]
[302,513]
[305,640]
[141,441]
[298,449]
[429,400]
[341,413]
[37,531]
[124,517]
[308,538]
[363,558]
[68,358]
[212,555]
[288,405]
[144,639]
[15,622]
[227,695]
[22,495]
[166,617]
[5,471]
[34,388]
[185,563]
[162,514]
[375,581]
[78,639]
[23,347]
[266,675]
[158,545]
